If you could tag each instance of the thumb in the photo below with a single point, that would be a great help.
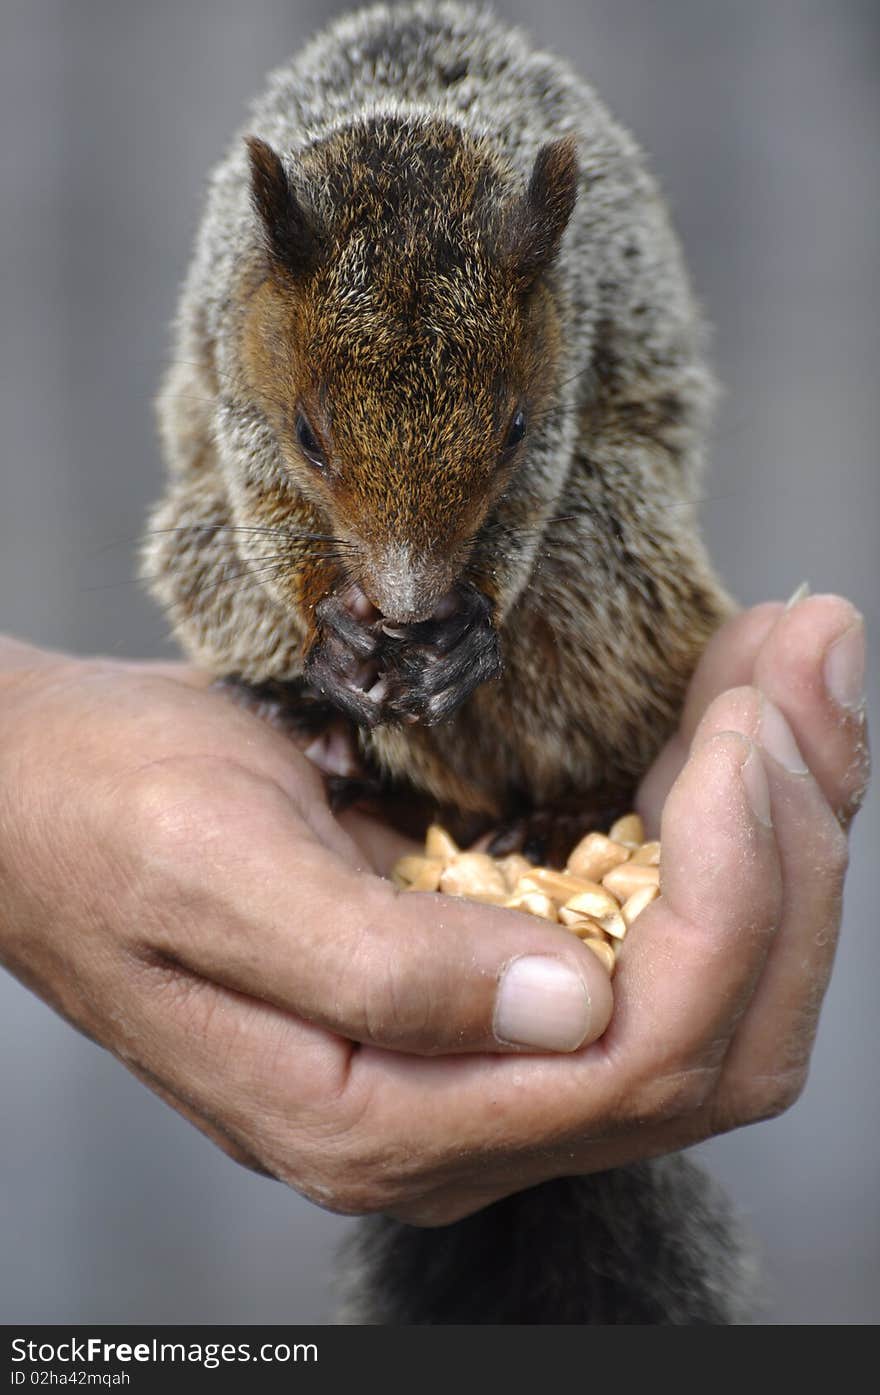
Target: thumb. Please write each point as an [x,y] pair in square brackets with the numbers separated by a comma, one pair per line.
[434,974]
[293,924]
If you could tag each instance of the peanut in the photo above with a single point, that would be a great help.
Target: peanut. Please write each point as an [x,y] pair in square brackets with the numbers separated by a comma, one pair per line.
[604,951]
[514,866]
[624,881]
[594,856]
[607,882]
[439,844]
[635,904]
[601,906]
[534,902]
[578,923]
[648,853]
[473,874]
[559,886]
[629,829]
[419,873]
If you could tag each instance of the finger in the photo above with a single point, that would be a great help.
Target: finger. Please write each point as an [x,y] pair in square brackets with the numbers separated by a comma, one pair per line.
[273,1093]
[267,909]
[766,1065]
[812,667]
[727,662]
[691,962]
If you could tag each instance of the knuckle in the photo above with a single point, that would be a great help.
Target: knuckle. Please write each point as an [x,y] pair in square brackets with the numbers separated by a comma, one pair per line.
[352,1155]
[386,1001]
[180,819]
[434,1210]
[171,805]
[356,1175]
[673,1095]
[345,1196]
[365,1195]
[762,1097]
[396,1007]
[777,1093]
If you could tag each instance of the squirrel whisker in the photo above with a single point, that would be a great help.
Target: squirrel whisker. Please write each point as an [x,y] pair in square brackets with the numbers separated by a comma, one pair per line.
[284,533]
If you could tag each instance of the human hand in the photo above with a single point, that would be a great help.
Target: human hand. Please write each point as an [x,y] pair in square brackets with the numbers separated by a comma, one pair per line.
[173,882]
[717,990]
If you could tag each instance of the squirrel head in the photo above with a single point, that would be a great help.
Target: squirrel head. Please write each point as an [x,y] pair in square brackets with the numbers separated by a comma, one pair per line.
[401,337]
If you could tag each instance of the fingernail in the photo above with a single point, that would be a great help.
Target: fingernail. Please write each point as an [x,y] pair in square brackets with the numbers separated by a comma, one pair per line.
[799,595]
[845,669]
[776,737]
[542,1003]
[754,779]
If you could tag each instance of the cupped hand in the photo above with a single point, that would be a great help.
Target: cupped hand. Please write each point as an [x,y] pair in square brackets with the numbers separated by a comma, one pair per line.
[172,881]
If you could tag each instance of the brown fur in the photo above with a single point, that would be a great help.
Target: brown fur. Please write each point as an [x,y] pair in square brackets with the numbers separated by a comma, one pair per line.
[414,387]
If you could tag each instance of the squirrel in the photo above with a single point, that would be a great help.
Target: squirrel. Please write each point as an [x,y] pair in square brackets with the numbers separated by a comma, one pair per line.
[434,426]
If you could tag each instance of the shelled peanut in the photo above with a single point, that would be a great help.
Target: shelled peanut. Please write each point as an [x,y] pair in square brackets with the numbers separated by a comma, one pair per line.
[607,881]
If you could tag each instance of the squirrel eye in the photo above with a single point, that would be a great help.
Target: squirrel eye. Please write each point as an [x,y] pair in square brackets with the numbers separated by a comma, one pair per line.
[308,442]
[516,430]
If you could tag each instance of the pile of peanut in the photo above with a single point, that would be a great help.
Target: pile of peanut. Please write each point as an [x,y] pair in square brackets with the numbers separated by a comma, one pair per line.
[607,881]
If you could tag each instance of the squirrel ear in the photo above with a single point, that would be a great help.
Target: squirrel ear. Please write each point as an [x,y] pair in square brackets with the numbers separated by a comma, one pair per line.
[534,226]
[291,235]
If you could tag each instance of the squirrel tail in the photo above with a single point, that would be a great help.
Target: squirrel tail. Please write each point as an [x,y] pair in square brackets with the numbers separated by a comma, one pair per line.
[651,1244]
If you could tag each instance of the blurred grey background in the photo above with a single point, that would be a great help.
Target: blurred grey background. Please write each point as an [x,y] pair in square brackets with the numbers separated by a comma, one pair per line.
[762,121]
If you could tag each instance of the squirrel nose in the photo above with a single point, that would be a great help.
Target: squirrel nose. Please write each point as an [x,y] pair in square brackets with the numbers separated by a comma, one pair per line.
[446,606]
[406,590]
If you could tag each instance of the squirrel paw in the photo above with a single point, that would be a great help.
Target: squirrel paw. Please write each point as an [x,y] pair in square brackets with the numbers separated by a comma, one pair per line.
[343,662]
[434,665]
[377,672]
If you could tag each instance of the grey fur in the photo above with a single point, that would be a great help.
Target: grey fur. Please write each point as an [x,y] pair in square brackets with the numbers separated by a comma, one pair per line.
[582,1250]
